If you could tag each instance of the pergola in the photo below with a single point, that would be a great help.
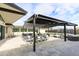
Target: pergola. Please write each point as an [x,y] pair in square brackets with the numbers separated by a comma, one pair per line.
[48,22]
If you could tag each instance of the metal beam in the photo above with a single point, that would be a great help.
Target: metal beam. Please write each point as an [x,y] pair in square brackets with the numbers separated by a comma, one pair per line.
[34,41]
[74,30]
[65,32]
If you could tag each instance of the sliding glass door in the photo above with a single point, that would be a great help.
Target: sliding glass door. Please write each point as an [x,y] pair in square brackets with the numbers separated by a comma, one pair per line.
[2,28]
[0,32]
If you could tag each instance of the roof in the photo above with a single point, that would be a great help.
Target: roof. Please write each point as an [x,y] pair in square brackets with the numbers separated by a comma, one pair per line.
[17,7]
[49,21]
[11,12]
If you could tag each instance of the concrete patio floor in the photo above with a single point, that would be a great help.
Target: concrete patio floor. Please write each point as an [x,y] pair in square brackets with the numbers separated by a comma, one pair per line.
[12,43]
[46,48]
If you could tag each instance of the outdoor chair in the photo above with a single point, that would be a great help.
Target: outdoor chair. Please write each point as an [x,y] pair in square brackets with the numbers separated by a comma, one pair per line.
[73,37]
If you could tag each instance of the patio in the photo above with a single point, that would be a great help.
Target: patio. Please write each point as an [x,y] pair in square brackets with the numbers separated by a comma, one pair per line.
[56,47]
[42,21]
[17,42]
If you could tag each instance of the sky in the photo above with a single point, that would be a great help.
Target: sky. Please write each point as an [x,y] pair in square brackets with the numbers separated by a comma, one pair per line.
[63,11]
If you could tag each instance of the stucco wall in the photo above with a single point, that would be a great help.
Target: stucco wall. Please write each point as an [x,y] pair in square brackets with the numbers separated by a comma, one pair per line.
[42,30]
[2,23]
[9,31]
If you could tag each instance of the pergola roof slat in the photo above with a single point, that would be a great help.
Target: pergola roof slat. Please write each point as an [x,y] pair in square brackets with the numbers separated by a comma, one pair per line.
[49,21]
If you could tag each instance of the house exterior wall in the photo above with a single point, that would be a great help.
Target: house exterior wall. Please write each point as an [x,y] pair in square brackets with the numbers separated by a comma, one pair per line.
[2,28]
[9,31]
[9,13]
[2,23]
[42,30]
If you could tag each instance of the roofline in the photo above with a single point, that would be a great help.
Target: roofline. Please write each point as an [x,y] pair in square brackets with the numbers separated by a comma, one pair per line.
[29,18]
[58,19]
[13,11]
[64,22]
[15,6]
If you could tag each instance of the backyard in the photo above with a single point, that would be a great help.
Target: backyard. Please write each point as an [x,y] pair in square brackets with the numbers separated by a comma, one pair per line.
[53,47]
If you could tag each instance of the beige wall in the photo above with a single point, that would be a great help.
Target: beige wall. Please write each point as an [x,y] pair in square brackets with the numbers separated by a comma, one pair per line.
[9,31]
[42,30]
[2,23]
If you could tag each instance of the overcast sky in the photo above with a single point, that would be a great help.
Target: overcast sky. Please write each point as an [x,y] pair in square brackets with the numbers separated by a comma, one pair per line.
[63,11]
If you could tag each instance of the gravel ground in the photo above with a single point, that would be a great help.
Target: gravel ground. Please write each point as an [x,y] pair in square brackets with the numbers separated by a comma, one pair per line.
[56,47]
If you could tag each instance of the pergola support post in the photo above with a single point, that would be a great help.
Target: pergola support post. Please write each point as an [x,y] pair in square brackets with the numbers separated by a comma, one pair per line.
[34,41]
[39,30]
[74,30]
[65,32]
[48,30]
